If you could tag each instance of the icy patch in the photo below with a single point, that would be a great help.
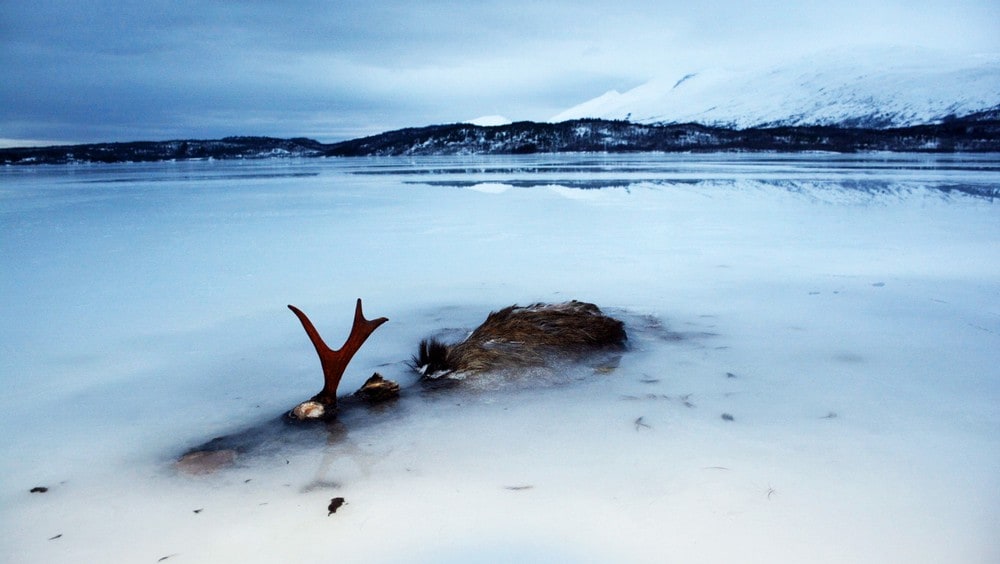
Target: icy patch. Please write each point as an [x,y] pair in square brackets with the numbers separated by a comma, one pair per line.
[490,187]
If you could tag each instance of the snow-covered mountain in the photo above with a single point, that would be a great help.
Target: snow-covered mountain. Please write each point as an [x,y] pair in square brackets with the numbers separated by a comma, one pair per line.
[882,87]
[490,121]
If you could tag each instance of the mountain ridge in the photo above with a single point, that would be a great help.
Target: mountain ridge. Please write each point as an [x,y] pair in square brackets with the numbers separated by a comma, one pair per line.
[975,133]
[238,147]
[871,88]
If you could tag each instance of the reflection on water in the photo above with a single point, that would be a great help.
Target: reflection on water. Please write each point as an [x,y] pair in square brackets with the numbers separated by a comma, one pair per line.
[976,175]
[873,173]
[874,187]
[678,164]
[250,175]
[632,166]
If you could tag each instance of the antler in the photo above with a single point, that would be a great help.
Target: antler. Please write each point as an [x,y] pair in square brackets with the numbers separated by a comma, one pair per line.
[335,361]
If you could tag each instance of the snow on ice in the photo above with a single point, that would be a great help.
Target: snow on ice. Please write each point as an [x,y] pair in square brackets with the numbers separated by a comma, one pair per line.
[812,373]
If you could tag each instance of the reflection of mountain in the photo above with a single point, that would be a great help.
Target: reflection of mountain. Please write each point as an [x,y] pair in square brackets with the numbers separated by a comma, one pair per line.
[838,190]
[892,87]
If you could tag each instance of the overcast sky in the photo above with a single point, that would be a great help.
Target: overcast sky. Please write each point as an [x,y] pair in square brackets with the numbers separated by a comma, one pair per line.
[87,71]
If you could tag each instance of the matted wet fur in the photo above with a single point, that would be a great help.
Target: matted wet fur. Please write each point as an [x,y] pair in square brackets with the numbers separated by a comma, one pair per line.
[516,338]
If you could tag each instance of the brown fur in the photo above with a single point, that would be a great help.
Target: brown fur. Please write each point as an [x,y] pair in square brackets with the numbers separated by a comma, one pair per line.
[517,337]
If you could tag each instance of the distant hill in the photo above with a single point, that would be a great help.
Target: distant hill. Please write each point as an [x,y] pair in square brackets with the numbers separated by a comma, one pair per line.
[857,87]
[975,133]
[147,151]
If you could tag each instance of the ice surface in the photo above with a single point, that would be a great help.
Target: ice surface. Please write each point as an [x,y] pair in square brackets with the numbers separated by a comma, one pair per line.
[842,310]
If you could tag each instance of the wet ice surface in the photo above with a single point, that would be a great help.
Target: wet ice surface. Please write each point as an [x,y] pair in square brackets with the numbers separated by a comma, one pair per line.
[840,311]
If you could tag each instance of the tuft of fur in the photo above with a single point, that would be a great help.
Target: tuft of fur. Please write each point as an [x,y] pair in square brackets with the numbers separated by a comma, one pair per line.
[517,338]
[432,358]
[377,389]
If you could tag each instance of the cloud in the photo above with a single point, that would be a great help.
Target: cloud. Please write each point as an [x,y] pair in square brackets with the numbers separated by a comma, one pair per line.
[119,70]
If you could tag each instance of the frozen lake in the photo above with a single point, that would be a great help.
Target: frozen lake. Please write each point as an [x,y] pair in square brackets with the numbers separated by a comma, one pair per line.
[843,312]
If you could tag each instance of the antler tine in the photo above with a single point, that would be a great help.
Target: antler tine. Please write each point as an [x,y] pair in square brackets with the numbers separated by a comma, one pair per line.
[334,362]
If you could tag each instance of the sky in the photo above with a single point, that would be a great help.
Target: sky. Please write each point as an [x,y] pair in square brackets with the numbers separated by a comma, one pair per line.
[92,71]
